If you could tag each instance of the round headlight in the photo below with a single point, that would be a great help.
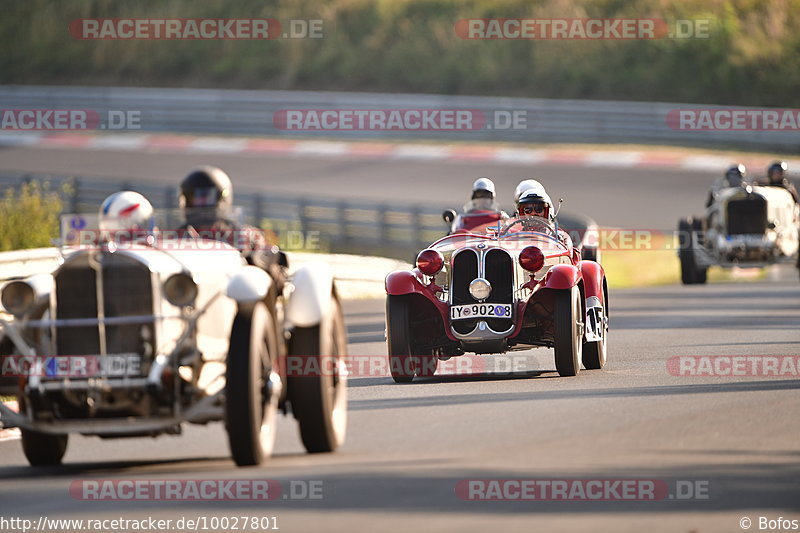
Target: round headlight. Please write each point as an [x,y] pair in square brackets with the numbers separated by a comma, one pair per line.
[180,289]
[430,261]
[18,297]
[480,289]
[531,258]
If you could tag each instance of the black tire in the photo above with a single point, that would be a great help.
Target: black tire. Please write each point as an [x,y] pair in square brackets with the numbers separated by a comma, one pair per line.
[401,362]
[42,449]
[689,274]
[250,412]
[697,231]
[319,401]
[568,342]
[595,353]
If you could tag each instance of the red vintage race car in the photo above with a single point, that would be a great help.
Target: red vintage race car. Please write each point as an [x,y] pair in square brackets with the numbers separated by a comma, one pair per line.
[520,287]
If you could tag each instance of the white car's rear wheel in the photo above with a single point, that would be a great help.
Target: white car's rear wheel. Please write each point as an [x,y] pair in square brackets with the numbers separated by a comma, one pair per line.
[319,394]
[568,331]
[250,405]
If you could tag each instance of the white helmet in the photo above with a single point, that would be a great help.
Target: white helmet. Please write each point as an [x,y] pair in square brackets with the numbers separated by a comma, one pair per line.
[538,202]
[126,211]
[525,185]
[483,184]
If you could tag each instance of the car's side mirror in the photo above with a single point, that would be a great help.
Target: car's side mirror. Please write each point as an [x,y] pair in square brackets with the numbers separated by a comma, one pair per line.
[449,215]
[771,225]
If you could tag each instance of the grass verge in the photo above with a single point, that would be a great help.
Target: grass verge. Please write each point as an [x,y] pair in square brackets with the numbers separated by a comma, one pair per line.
[642,268]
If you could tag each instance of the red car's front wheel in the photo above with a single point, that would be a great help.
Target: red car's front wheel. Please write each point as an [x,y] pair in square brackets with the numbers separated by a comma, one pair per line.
[568,331]
[398,339]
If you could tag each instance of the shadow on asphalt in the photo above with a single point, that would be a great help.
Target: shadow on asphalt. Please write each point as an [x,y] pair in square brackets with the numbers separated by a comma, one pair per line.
[768,482]
[569,394]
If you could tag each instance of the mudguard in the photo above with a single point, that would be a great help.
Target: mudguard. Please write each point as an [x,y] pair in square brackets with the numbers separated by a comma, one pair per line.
[405,282]
[251,284]
[593,276]
[594,292]
[310,301]
[562,277]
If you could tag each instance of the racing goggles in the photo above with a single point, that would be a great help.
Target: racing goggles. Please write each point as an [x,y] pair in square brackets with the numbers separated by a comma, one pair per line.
[537,208]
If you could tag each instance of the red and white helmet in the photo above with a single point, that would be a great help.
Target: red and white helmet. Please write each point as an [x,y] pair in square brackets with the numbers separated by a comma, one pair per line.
[126,211]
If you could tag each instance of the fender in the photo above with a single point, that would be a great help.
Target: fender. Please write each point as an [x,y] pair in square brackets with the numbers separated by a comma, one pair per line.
[562,277]
[249,285]
[593,291]
[593,276]
[310,301]
[404,282]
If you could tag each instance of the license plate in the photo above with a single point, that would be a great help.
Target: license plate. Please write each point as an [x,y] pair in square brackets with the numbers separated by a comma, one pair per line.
[463,312]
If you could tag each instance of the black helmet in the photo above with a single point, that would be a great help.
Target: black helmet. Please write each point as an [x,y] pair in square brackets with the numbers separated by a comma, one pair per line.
[735,175]
[206,194]
[777,166]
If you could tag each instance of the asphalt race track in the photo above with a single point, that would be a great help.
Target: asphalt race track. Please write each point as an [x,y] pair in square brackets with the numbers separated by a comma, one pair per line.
[615,197]
[732,440]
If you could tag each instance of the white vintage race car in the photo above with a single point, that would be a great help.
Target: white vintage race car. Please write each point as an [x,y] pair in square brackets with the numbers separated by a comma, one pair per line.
[137,339]
[746,226]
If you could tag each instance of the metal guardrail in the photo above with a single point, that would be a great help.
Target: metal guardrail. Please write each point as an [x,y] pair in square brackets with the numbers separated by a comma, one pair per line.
[356,227]
[251,113]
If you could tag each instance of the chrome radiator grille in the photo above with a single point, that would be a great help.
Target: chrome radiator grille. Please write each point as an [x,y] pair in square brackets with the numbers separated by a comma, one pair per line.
[127,291]
[497,269]
[747,216]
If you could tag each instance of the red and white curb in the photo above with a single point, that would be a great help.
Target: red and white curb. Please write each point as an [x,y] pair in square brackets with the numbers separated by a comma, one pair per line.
[10,434]
[575,156]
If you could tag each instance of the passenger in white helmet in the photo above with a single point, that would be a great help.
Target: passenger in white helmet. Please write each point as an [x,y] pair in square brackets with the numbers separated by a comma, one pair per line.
[480,213]
[483,197]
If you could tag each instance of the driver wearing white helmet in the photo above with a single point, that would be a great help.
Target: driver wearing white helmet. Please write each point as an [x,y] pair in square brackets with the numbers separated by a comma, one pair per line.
[125,216]
[532,200]
[535,202]
[526,185]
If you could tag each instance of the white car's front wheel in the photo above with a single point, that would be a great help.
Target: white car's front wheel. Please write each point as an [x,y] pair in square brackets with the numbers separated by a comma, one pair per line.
[251,403]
